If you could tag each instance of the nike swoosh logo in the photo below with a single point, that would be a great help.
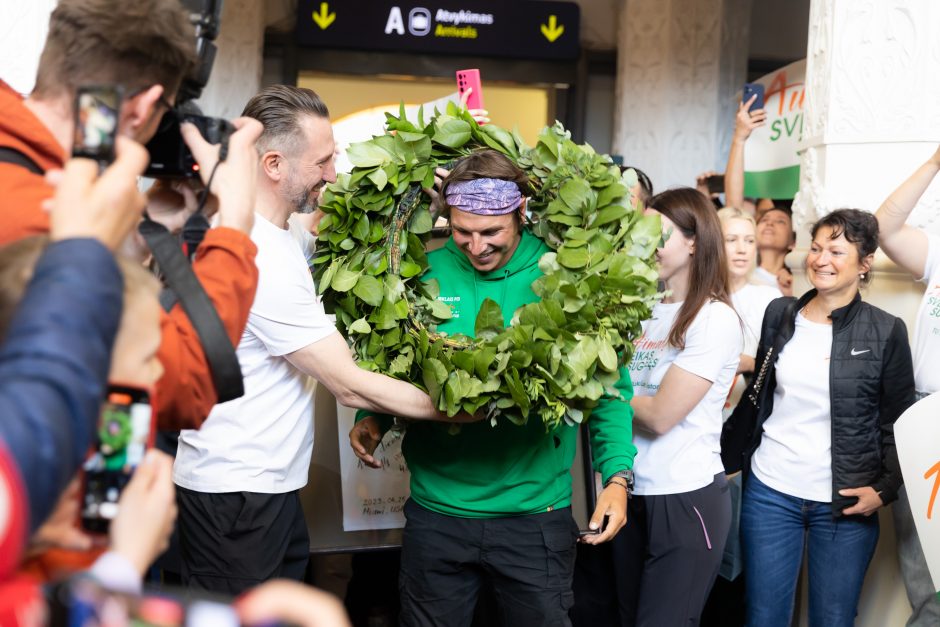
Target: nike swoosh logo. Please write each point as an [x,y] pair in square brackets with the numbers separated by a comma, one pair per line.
[855,352]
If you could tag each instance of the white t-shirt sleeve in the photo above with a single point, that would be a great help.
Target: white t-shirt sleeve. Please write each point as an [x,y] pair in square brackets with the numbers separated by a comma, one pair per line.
[933,257]
[286,314]
[713,339]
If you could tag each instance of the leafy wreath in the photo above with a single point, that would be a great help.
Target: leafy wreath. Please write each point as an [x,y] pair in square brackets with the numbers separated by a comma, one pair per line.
[560,354]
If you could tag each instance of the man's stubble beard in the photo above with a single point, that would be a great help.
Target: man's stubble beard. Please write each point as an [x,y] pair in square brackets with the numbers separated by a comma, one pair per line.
[303,198]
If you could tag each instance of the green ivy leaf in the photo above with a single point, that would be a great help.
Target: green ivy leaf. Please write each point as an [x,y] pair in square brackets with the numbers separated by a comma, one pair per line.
[367,154]
[379,178]
[452,133]
[489,320]
[607,356]
[574,257]
[575,193]
[420,222]
[344,280]
[440,310]
[360,326]
[369,289]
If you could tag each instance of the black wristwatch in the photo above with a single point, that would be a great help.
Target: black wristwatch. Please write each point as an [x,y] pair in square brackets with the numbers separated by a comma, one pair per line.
[624,474]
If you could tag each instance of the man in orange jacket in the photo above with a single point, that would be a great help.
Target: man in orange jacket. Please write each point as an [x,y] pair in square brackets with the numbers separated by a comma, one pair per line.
[147,47]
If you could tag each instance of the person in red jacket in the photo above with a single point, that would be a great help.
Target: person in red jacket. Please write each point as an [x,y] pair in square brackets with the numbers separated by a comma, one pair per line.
[147,47]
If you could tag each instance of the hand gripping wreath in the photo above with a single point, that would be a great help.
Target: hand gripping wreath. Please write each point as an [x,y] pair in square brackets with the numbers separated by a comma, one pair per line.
[560,354]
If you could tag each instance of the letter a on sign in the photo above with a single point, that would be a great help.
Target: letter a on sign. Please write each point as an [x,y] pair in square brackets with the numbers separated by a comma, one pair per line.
[395,22]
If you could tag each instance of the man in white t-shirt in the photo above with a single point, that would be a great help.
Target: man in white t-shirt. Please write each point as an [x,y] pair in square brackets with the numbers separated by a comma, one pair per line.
[239,476]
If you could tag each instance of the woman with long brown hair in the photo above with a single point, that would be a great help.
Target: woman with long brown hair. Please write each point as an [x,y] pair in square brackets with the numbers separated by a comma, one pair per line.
[682,369]
[666,559]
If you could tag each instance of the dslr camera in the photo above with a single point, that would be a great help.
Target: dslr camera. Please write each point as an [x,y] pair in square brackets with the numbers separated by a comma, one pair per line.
[169,155]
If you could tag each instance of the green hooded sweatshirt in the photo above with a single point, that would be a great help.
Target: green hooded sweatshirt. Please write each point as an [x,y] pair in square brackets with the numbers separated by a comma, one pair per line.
[506,470]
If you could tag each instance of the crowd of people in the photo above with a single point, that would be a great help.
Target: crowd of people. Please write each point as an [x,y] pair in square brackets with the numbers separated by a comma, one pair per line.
[748,428]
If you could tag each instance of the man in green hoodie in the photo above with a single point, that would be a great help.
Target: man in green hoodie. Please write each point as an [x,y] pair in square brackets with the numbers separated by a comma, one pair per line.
[493,504]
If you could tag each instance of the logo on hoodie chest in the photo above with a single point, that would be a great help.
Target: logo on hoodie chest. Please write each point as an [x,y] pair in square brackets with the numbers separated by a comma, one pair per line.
[452,302]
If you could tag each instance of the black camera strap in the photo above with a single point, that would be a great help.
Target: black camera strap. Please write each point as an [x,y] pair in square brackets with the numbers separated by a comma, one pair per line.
[15,157]
[184,287]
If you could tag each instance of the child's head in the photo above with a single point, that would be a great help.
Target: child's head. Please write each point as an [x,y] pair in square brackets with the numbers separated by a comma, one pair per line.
[134,356]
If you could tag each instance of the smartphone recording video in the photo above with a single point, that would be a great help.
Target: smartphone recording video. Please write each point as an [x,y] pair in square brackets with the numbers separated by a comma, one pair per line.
[753,89]
[470,79]
[97,111]
[125,432]
[716,184]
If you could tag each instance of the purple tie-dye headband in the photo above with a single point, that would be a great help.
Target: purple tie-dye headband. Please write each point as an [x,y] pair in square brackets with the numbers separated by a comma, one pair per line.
[484,197]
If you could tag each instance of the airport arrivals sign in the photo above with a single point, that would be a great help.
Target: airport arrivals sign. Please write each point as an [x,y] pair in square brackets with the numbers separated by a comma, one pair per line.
[522,30]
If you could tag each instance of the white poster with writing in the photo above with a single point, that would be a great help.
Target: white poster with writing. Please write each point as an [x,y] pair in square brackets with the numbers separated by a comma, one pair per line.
[373,498]
[917,435]
[771,159]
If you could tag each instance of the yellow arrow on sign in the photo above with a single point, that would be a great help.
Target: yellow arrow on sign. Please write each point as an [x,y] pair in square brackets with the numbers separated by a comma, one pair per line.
[324,18]
[553,30]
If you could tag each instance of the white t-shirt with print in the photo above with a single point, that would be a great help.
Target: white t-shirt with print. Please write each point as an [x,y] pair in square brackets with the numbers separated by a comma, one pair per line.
[750,302]
[687,457]
[926,345]
[795,452]
[262,442]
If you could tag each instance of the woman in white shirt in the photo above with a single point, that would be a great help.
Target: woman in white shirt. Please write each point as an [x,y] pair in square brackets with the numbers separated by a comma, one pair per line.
[725,605]
[834,373]
[682,369]
[918,253]
[748,298]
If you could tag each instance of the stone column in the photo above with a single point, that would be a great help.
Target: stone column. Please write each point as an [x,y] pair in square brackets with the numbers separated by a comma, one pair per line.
[679,65]
[236,76]
[872,116]
[872,104]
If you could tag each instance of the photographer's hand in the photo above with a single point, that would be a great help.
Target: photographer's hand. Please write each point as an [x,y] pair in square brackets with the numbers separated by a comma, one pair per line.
[146,512]
[235,181]
[103,207]
[293,603]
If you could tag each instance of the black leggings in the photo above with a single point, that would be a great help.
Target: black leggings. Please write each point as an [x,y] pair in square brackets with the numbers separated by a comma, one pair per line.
[660,567]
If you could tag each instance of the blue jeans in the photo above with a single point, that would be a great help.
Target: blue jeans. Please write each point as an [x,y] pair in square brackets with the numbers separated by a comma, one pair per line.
[774,532]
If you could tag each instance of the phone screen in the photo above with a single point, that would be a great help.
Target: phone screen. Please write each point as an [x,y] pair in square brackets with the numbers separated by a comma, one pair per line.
[124,434]
[96,121]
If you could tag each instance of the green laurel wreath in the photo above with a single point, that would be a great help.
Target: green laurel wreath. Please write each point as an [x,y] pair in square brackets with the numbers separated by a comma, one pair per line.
[560,354]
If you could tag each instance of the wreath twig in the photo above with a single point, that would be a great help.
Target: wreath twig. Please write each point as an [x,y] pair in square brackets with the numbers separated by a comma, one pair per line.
[560,354]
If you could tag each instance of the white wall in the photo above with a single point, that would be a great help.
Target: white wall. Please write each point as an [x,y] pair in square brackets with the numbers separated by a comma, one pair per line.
[23,27]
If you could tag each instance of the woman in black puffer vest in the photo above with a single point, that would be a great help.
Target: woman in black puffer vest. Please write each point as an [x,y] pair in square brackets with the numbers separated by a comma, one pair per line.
[818,451]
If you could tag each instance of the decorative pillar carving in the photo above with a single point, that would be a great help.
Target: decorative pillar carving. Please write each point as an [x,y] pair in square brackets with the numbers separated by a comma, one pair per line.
[872,105]
[679,65]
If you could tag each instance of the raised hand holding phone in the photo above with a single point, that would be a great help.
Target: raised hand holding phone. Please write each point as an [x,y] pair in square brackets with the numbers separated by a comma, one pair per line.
[754,94]
[470,89]
[125,433]
[97,113]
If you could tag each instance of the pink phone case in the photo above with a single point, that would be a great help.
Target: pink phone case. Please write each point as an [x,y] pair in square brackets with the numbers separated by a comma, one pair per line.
[471,78]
